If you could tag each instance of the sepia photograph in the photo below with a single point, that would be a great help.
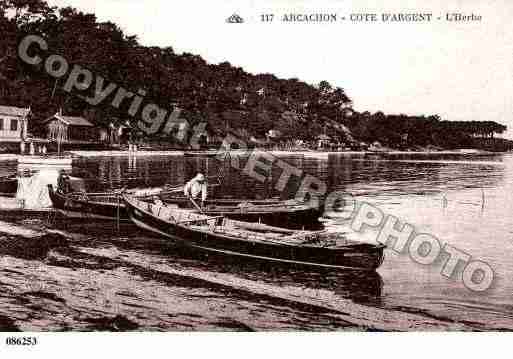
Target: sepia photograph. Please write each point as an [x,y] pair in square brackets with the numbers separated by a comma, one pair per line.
[242,166]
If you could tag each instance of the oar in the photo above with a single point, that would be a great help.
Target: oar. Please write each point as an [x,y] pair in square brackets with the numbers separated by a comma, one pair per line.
[120,191]
[195,204]
[118,214]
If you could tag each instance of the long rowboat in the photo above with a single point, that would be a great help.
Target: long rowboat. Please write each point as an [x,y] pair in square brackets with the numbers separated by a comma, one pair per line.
[290,213]
[272,211]
[221,236]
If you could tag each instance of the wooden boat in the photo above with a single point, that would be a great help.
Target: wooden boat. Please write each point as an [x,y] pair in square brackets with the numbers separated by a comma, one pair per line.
[104,205]
[8,186]
[88,205]
[109,206]
[290,213]
[218,235]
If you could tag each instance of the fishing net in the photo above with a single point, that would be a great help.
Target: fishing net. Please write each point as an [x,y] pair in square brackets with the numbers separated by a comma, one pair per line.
[33,191]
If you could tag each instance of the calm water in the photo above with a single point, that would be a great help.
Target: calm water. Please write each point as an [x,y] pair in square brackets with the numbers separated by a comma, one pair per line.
[143,283]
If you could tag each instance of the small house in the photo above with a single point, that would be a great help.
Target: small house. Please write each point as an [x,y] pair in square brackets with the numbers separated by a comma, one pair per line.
[69,129]
[13,123]
[323,141]
[118,132]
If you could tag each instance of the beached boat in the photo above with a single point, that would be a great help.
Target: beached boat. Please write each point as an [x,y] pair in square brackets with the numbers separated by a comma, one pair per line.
[218,235]
[104,205]
[88,205]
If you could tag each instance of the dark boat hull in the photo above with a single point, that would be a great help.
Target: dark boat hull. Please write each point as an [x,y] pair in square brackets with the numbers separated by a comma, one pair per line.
[271,212]
[8,186]
[359,256]
[307,218]
[211,153]
[75,207]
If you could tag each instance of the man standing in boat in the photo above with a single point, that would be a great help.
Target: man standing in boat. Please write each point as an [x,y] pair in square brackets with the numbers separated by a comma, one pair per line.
[195,186]
[63,182]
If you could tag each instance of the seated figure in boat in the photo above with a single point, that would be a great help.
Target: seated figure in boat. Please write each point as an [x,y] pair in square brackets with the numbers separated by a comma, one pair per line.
[195,187]
[63,184]
[157,201]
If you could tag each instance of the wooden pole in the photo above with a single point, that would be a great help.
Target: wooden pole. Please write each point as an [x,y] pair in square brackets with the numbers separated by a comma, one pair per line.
[118,212]
[195,204]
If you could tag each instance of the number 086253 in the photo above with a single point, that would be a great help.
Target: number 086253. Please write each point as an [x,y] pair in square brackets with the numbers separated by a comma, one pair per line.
[21,341]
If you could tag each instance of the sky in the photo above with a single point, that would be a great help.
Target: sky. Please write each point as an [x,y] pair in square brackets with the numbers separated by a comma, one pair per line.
[459,70]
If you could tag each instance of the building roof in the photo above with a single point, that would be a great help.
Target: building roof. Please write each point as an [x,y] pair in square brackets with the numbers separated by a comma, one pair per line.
[323,137]
[14,111]
[71,120]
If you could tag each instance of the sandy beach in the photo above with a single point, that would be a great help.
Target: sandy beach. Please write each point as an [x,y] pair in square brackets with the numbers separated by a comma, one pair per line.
[74,281]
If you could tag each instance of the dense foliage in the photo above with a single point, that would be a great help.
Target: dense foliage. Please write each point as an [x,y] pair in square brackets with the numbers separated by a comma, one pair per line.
[227,97]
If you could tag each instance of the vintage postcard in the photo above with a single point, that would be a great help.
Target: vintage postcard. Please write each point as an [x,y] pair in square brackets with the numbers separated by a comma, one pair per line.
[277,166]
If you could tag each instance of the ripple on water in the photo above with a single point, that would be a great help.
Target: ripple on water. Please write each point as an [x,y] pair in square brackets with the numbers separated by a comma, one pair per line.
[102,279]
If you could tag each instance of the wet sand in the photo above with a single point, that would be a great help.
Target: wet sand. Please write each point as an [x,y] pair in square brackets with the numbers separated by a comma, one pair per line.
[74,278]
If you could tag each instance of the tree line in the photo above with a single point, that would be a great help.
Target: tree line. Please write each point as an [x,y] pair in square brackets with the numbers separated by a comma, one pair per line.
[227,97]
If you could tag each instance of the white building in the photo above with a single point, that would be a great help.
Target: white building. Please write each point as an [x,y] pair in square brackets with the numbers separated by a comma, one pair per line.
[13,123]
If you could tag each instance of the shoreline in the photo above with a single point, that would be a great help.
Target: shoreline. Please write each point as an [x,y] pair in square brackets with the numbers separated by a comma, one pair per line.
[86,153]
[312,154]
[69,272]
[278,152]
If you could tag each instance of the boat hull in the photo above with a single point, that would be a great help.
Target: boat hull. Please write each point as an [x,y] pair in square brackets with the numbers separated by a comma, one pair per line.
[271,212]
[359,256]
[305,218]
[8,186]
[110,207]
[212,153]
[74,207]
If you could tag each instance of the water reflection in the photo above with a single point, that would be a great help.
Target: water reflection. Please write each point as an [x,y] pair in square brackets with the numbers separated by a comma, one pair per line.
[360,287]
[411,187]
[107,173]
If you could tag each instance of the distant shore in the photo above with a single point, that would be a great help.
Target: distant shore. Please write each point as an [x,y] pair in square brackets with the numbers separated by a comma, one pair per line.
[393,152]
[125,153]
[312,154]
